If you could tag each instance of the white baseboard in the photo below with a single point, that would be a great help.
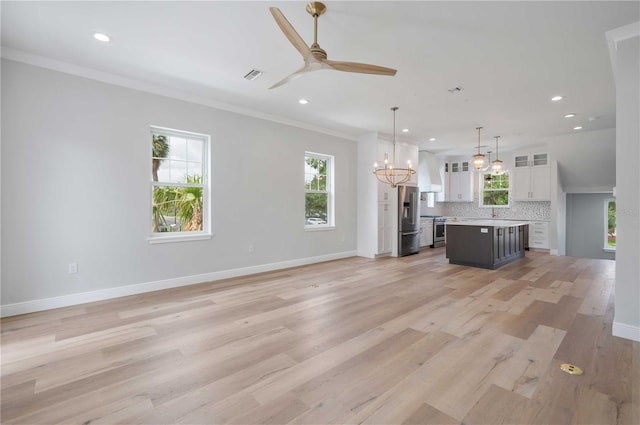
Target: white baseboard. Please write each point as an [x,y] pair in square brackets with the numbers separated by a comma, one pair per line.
[626,331]
[139,288]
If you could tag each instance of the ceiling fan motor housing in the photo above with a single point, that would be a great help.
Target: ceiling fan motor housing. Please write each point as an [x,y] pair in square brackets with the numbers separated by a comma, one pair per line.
[318,52]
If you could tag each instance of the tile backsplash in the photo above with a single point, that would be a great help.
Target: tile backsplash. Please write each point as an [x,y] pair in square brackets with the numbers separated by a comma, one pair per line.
[528,210]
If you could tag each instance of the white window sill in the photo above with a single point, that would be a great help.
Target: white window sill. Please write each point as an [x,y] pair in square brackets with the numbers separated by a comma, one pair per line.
[609,249]
[179,238]
[318,228]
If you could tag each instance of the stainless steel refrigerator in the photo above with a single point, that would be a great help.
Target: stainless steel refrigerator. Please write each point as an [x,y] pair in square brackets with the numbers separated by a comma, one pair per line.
[408,220]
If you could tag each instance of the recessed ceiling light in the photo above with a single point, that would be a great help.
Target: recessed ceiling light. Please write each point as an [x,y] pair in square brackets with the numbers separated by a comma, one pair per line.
[102,37]
[303,101]
[571,115]
[556,98]
[433,139]
[405,130]
[577,127]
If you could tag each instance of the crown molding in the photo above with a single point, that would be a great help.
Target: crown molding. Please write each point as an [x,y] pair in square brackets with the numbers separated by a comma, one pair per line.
[105,77]
[619,34]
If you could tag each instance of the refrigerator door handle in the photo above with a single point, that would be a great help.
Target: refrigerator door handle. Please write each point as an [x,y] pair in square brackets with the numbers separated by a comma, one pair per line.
[409,233]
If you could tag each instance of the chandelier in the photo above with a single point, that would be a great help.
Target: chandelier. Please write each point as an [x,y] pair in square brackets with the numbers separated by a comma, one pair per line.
[479,160]
[389,173]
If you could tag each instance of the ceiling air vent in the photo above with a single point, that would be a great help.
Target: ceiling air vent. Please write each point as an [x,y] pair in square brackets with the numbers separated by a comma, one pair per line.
[252,75]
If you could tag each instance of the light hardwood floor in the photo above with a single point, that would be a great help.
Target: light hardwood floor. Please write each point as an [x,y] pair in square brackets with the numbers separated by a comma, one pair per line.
[388,341]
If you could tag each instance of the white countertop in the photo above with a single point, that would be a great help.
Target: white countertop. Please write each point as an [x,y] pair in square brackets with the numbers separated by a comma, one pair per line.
[524,220]
[488,222]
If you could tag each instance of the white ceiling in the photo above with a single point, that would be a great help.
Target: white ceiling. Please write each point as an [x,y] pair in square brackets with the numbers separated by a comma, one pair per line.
[510,58]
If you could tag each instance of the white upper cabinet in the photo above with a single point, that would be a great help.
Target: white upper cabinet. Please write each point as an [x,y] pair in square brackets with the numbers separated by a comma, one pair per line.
[531,177]
[458,181]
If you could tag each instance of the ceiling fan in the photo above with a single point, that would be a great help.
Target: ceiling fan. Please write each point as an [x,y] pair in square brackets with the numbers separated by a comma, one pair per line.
[315,58]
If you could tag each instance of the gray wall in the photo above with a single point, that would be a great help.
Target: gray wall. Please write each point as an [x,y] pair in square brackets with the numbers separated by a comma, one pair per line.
[585,225]
[561,218]
[627,74]
[75,188]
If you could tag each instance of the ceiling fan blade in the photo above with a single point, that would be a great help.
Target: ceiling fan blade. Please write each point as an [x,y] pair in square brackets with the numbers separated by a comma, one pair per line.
[290,77]
[290,33]
[362,68]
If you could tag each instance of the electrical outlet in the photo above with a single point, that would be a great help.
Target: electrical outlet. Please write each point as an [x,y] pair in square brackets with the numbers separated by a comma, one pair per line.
[250,247]
[73,268]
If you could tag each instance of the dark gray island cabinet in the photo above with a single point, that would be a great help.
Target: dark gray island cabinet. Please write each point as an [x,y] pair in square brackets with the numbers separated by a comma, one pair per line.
[488,244]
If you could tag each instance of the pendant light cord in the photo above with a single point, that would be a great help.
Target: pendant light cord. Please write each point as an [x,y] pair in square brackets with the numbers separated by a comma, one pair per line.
[394,109]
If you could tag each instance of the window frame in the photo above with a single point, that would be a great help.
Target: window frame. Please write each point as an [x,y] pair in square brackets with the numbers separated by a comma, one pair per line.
[182,236]
[330,191]
[431,200]
[607,247]
[481,190]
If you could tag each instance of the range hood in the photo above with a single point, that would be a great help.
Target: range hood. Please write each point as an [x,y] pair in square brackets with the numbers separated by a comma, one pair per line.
[429,173]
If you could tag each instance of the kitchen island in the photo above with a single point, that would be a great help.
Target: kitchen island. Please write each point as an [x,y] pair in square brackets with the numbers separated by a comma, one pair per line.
[487,244]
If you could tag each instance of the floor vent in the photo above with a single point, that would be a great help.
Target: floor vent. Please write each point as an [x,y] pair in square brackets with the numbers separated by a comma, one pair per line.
[571,369]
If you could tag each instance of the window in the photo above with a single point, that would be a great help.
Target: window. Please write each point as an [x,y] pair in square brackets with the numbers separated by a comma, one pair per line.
[609,224]
[179,186]
[431,200]
[318,188]
[494,190]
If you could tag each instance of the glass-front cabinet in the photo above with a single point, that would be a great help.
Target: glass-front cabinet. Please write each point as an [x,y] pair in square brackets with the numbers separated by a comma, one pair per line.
[531,177]
[458,181]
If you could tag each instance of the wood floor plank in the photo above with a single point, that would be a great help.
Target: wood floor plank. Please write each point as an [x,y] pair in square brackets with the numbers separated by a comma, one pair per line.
[458,378]
[207,367]
[323,386]
[561,398]
[52,351]
[527,367]
[62,413]
[497,406]
[115,413]
[429,415]
[279,411]
[509,291]
[558,315]
[85,385]
[281,383]
[349,398]
[358,340]
[218,412]
[213,398]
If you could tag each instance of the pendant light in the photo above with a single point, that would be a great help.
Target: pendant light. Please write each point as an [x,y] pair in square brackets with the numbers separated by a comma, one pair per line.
[479,160]
[496,166]
[488,177]
[390,174]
